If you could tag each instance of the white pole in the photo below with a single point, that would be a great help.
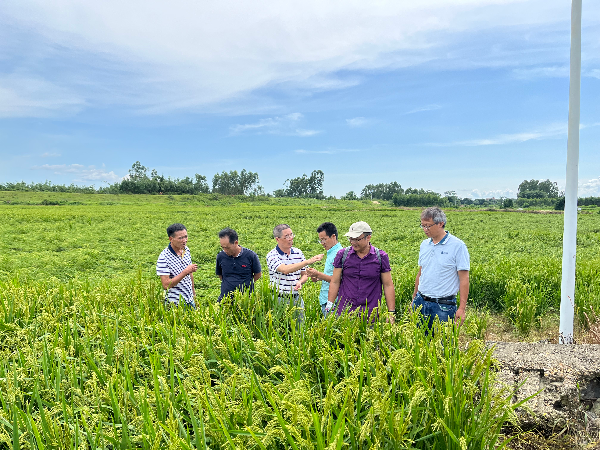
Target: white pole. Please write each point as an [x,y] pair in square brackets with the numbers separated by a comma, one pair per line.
[567,288]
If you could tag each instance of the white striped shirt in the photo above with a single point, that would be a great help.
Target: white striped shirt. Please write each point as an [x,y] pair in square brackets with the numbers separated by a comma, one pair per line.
[170,263]
[275,258]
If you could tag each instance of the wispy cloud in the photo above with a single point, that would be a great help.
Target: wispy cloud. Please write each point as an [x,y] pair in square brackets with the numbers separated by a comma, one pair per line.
[23,95]
[81,172]
[356,122]
[549,132]
[208,55]
[50,155]
[537,72]
[424,108]
[326,152]
[287,125]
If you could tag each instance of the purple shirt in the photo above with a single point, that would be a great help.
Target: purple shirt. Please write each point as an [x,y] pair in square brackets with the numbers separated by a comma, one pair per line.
[361,280]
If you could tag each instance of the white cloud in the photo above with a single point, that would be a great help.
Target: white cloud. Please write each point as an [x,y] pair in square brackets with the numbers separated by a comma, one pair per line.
[424,108]
[325,152]
[492,193]
[81,172]
[50,155]
[357,122]
[32,96]
[157,57]
[284,125]
[548,132]
[590,188]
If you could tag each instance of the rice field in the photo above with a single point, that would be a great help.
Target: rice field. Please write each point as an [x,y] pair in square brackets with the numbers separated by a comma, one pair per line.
[89,357]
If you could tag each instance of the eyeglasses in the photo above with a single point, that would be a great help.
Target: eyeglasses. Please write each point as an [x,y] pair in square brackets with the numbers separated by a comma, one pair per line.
[427,227]
[356,239]
[289,236]
[320,241]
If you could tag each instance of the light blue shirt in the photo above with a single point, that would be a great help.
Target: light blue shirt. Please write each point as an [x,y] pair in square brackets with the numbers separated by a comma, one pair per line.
[328,271]
[440,264]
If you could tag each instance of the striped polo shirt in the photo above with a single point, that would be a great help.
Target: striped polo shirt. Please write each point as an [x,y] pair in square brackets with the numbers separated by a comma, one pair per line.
[277,257]
[170,263]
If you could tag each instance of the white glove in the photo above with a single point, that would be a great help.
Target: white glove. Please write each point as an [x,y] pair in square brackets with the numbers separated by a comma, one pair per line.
[328,306]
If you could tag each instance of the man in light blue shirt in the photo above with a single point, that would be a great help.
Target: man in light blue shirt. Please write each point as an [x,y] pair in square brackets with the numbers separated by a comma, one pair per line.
[443,271]
[328,238]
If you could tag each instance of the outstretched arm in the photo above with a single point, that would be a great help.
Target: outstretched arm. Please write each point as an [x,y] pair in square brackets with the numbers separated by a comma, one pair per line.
[290,268]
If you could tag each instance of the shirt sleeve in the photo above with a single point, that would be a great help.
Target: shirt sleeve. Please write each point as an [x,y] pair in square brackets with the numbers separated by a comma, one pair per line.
[161,266]
[385,262]
[463,260]
[218,269]
[273,262]
[337,262]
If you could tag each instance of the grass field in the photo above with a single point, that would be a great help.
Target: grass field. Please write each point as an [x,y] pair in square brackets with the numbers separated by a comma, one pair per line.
[90,358]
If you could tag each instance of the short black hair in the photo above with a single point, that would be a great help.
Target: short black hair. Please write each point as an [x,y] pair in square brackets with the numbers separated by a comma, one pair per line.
[230,233]
[172,229]
[329,229]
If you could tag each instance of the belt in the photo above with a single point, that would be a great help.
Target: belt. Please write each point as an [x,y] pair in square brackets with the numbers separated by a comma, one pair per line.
[448,300]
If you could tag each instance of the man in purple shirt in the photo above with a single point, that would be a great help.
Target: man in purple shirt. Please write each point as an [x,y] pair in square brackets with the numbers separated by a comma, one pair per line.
[360,277]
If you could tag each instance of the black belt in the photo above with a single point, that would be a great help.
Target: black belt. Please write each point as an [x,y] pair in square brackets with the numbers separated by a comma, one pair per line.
[448,300]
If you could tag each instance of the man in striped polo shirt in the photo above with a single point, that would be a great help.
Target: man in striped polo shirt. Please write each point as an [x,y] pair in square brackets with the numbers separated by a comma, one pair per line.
[175,268]
[286,266]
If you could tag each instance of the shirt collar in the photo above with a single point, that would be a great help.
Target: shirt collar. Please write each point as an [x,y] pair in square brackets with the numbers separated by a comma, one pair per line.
[336,248]
[175,253]
[241,251]
[281,252]
[443,241]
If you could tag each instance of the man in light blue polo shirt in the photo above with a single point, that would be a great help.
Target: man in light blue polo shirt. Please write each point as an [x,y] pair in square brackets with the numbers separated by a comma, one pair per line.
[443,271]
[328,239]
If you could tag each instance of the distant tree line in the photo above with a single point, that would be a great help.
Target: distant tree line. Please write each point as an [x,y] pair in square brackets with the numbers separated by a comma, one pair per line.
[531,193]
[398,196]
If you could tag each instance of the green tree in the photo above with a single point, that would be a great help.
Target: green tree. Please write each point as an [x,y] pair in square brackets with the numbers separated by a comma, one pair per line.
[349,196]
[138,172]
[381,191]
[507,203]
[538,189]
[234,183]
[305,186]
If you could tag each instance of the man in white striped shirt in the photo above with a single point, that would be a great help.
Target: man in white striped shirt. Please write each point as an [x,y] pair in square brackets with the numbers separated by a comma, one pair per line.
[286,266]
[175,267]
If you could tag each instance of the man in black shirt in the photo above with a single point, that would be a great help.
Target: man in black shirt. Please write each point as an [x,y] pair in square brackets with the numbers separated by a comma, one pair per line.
[237,267]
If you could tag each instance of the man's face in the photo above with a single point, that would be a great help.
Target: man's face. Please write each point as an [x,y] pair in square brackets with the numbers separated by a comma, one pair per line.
[326,241]
[286,240]
[431,229]
[361,243]
[228,247]
[179,239]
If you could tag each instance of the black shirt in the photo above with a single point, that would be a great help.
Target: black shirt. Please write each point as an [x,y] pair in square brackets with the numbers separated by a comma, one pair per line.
[237,271]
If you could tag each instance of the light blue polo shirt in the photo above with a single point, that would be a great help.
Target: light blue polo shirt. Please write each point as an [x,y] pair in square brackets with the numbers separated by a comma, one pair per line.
[440,264]
[328,271]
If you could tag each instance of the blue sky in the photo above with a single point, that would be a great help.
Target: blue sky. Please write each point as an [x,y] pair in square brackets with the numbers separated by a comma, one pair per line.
[463,95]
